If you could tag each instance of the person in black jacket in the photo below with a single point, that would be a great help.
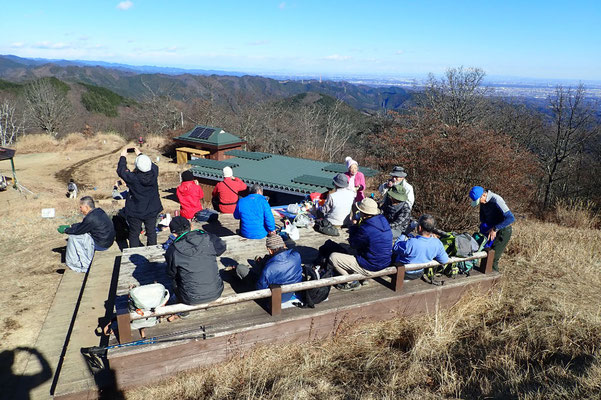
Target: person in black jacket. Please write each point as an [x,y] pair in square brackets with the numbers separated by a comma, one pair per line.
[95,232]
[143,204]
[192,263]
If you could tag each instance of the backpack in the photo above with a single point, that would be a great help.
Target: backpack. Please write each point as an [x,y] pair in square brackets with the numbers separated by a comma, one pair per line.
[324,226]
[455,245]
[308,298]
[144,300]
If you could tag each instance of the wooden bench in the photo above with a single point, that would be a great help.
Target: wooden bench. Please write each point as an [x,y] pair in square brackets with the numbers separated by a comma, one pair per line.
[185,153]
[397,273]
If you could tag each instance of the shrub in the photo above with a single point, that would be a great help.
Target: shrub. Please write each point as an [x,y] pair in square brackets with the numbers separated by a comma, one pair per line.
[443,166]
[576,213]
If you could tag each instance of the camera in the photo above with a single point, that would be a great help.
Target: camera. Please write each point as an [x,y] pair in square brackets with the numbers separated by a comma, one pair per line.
[131,150]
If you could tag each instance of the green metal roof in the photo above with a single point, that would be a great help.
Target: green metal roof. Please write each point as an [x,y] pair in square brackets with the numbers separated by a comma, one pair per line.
[218,137]
[212,164]
[251,155]
[279,173]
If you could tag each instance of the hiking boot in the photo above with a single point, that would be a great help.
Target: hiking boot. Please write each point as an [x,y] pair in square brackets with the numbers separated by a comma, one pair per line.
[184,314]
[348,287]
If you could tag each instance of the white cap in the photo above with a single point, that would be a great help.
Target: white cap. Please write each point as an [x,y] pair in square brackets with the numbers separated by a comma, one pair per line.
[143,163]
[227,172]
[350,161]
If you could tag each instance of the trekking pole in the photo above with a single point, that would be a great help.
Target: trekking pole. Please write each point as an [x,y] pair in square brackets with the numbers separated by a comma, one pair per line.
[101,350]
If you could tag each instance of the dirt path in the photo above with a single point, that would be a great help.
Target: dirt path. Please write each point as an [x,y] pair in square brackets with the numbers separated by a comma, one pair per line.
[65,174]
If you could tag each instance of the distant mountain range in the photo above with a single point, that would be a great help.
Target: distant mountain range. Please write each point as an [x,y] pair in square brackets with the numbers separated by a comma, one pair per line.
[228,88]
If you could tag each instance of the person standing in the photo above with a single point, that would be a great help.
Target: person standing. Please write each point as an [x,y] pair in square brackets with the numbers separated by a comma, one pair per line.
[356,179]
[143,204]
[397,177]
[95,232]
[227,192]
[495,220]
[189,193]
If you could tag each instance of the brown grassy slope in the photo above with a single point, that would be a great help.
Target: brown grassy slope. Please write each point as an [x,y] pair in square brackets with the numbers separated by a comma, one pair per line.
[536,337]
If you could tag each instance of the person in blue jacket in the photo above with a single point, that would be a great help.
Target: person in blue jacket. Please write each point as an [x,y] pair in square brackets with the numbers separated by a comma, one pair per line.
[420,249]
[495,220]
[370,240]
[254,213]
[281,266]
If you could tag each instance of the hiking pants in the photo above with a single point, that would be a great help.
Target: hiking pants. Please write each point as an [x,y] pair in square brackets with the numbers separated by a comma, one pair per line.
[80,252]
[346,264]
[135,227]
[499,245]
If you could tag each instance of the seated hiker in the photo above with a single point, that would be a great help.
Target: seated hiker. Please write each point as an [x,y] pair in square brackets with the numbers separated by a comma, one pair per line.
[189,193]
[337,208]
[95,232]
[192,263]
[396,210]
[422,248]
[281,266]
[227,192]
[397,177]
[495,220]
[119,191]
[72,189]
[356,179]
[370,240]
[254,213]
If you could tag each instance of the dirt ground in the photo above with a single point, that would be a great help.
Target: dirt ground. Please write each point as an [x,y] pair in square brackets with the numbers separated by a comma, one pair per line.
[30,245]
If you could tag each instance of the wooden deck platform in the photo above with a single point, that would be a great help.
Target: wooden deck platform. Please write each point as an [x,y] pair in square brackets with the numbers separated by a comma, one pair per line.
[231,330]
[236,328]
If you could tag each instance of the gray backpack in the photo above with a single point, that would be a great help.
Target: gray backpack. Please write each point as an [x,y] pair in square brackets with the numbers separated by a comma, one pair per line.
[144,300]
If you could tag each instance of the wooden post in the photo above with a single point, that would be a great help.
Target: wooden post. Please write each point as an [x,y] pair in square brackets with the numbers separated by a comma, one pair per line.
[276,300]
[486,263]
[124,325]
[397,279]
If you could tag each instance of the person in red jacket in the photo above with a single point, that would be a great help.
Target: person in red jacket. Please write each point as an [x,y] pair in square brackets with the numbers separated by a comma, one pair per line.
[189,194]
[226,192]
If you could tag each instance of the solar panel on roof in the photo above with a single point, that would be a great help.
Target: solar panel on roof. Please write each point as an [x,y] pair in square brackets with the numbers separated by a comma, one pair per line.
[201,133]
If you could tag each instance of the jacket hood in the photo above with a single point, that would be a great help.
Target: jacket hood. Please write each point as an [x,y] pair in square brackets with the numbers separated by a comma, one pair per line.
[191,243]
[378,222]
[147,178]
[185,186]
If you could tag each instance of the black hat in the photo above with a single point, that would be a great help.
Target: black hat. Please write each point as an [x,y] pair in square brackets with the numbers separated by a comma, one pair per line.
[179,225]
[398,171]
[187,176]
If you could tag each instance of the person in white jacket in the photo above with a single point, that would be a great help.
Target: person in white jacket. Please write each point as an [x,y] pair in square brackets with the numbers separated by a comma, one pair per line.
[397,177]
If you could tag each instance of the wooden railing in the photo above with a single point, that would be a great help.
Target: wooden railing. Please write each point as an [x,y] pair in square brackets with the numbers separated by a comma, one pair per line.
[397,272]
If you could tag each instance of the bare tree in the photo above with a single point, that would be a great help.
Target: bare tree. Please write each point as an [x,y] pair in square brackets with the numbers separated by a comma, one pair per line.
[337,130]
[158,113]
[457,99]
[47,105]
[11,124]
[572,125]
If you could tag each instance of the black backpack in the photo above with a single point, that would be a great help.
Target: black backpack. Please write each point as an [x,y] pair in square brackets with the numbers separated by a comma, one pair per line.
[310,297]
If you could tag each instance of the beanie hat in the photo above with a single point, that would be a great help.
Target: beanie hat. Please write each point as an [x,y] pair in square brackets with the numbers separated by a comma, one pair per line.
[350,161]
[340,180]
[475,193]
[274,242]
[143,163]
[179,225]
[227,172]
[187,176]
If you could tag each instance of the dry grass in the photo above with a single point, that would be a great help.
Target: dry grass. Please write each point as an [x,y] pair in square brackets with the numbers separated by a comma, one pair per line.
[537,337]
[576,213]
[40,143]
[156,142]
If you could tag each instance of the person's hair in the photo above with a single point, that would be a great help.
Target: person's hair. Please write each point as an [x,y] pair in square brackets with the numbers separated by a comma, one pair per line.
[427,223]
[88,201]
[255,189]
[71,180]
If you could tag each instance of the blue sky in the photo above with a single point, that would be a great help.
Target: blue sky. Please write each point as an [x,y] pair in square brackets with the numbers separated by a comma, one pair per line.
[537,39]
